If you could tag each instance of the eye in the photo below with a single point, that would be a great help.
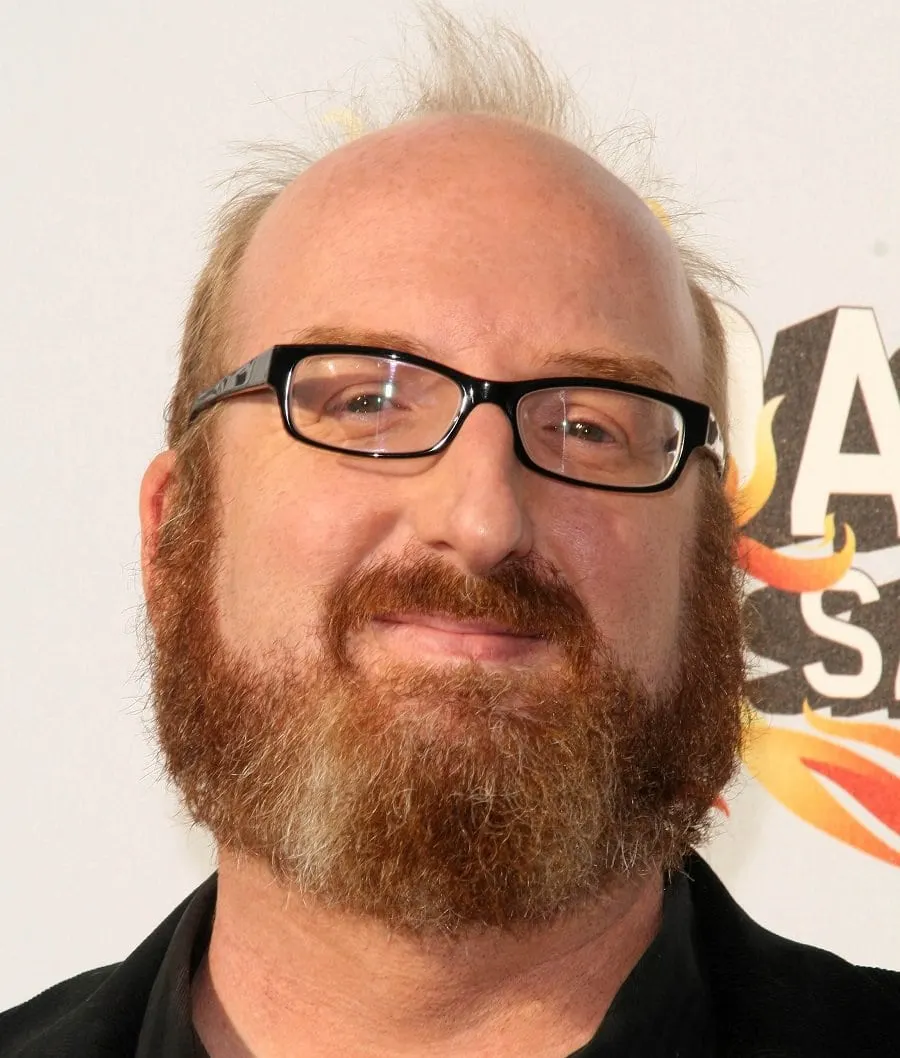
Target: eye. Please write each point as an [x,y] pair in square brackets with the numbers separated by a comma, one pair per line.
[363,402]
[592,433]
[366,404]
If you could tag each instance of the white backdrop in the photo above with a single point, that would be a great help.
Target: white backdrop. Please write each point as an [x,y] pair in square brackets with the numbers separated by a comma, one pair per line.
[778,119]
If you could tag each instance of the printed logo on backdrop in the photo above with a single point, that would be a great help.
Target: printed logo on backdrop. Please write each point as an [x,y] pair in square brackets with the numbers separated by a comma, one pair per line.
[814,478]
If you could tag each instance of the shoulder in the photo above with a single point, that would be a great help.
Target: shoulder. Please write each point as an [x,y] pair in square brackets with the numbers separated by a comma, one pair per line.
[772,995]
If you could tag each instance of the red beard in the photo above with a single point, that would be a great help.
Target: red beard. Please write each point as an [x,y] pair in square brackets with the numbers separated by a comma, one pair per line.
[444,797]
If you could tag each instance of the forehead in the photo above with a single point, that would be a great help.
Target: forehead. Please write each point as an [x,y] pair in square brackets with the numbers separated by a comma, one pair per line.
[491,245]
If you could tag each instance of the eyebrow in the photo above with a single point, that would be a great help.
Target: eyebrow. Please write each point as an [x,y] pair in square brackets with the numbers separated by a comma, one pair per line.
[596,362]
[619,367]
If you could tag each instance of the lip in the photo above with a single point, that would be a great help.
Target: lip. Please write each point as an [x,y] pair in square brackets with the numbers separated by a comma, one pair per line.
[454,626]
[433,636]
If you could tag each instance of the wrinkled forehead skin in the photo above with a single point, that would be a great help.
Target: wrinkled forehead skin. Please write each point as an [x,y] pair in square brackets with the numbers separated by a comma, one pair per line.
[494,244]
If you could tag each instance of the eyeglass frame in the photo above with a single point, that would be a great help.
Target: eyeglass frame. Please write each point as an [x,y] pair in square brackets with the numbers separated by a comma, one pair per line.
[273,368]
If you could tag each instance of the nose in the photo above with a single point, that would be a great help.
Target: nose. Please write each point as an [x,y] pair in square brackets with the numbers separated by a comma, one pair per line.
[469,505]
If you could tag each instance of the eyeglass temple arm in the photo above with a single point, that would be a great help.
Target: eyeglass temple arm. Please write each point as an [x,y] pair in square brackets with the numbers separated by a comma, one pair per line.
[253,375]
[715,443]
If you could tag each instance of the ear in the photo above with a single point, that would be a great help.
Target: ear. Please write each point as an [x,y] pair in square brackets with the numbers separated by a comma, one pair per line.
[154,502]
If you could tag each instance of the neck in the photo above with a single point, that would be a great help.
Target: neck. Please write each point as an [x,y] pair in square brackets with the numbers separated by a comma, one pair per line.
[285,976]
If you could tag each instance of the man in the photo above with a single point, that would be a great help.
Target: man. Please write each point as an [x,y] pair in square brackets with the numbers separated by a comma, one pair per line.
[447,650]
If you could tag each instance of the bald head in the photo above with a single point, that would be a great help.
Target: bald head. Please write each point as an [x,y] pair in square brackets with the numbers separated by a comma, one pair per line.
[468,229]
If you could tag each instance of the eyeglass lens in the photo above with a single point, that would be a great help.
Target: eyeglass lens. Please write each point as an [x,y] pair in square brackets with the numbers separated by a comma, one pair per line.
[371,404]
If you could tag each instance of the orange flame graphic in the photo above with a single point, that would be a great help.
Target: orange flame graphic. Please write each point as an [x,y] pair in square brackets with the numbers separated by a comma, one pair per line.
[786,762]
[784,572]
[788,573]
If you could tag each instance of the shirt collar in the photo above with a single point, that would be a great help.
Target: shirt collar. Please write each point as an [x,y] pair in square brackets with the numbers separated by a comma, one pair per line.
[661,1011]
[168,1027]
[663,1008]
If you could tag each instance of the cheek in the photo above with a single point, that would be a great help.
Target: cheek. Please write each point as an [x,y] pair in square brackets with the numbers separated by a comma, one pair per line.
[292,525]
[626,559]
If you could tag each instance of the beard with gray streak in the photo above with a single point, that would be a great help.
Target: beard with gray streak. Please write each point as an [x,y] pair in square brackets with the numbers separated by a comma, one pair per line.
[444,797]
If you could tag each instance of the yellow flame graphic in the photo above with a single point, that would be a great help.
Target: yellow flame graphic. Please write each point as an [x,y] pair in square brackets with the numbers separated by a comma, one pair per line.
[659,211]
[748,501]
[349,122]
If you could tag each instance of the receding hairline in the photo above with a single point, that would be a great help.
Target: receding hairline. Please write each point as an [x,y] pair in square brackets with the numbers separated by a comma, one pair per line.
[371,162]
[391,172]
[483,70]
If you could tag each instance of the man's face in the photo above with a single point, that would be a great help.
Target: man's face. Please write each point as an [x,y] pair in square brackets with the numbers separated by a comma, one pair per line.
[485,253]
[506,255]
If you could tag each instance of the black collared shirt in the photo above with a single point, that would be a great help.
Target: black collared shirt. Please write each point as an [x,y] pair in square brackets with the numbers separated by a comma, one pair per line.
[661,1011]
[713,982]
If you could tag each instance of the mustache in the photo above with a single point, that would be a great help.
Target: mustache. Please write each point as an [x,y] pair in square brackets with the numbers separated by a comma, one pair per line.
[528,595]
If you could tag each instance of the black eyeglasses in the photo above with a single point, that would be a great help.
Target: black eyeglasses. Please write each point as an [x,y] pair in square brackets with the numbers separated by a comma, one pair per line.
[385,404]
